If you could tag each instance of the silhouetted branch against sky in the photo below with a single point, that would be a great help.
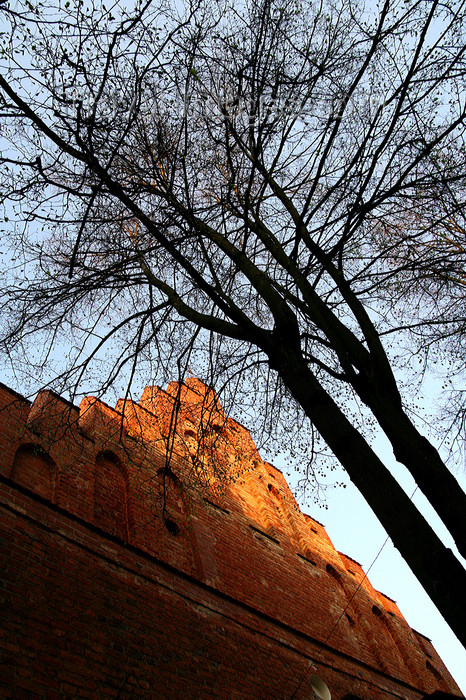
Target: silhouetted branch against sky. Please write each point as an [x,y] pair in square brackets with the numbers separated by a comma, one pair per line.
[269,195]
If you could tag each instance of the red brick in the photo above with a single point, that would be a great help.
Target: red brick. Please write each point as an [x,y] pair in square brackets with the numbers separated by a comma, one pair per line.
[102,598]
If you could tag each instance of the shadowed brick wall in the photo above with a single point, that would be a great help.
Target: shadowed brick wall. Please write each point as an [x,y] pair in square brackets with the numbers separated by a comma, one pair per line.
[142,561]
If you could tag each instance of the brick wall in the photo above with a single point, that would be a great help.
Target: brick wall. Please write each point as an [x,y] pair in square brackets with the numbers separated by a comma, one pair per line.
[142,561]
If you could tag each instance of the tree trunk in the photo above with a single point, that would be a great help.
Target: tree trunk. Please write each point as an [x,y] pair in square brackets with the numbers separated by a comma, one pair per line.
[424,463]
[434,565]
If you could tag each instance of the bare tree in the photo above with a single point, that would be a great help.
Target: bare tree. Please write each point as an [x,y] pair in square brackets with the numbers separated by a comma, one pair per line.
[210,187]
[425,270]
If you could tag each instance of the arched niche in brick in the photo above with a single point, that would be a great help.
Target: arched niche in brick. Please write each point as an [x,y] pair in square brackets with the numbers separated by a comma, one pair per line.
[172,499]
[34,469]
[279,506]
[289,517]
[179,530]
[111,495]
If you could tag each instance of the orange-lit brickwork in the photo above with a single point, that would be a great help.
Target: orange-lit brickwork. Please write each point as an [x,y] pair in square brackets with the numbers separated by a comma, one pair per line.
[139,561]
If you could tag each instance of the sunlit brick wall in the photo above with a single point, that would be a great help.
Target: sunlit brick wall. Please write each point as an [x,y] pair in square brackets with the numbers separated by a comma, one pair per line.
[139,562]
